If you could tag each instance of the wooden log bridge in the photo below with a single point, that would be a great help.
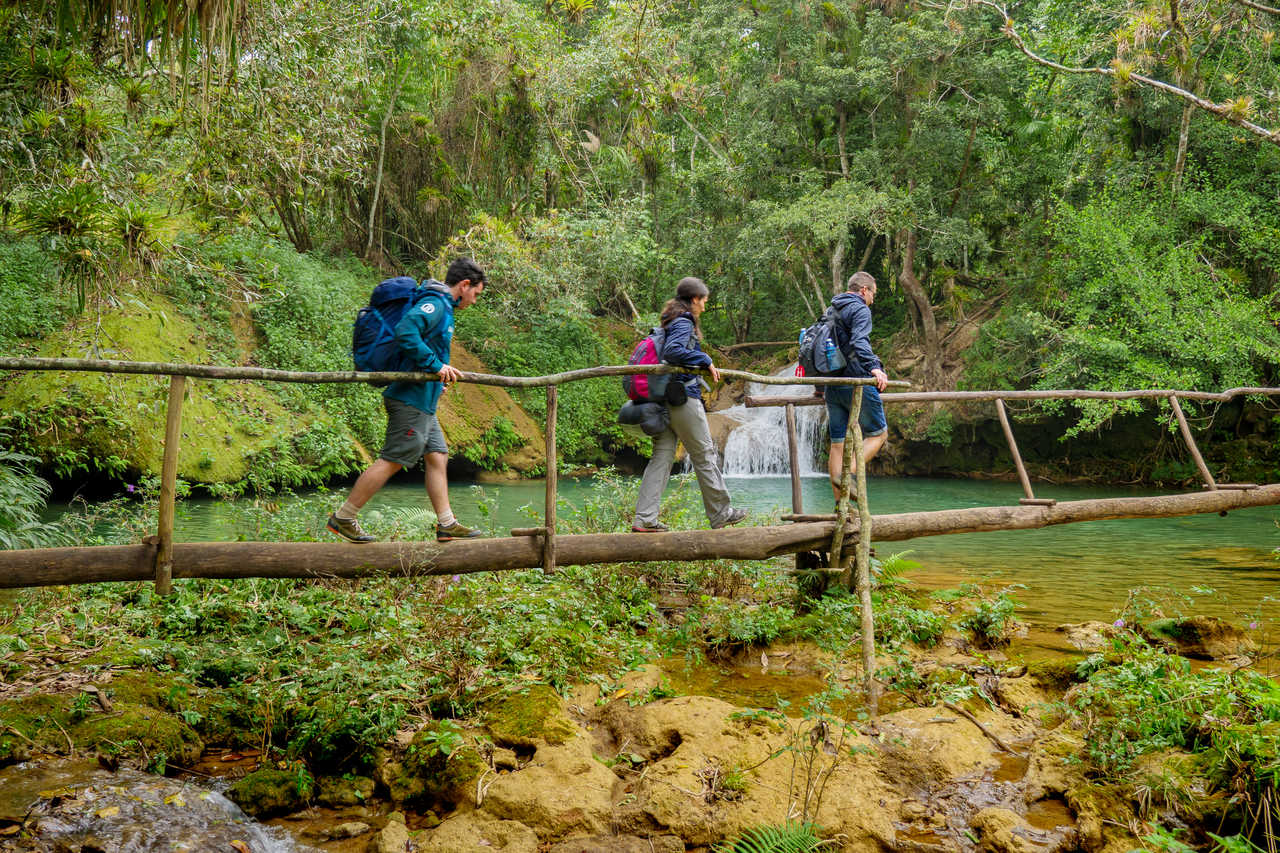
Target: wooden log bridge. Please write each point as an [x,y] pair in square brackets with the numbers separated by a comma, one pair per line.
[230,560]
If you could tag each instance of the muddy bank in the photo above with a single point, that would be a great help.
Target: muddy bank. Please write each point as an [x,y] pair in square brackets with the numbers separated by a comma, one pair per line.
[637,768]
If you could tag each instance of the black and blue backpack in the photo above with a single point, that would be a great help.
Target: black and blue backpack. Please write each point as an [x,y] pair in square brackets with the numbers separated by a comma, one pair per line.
[373,337]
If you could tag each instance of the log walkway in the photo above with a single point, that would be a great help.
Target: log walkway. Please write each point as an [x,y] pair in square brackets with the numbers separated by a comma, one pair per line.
[845,537]
[161,559]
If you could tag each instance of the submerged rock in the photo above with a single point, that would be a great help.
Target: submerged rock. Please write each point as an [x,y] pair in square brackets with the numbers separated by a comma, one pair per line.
[1088,636]
[1204,637]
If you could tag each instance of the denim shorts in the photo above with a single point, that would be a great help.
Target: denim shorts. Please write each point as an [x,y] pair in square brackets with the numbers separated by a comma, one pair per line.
[840,406]
[410,434]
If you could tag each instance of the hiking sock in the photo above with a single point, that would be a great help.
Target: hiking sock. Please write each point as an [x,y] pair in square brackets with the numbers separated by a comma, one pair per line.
[347,511]
[447,520]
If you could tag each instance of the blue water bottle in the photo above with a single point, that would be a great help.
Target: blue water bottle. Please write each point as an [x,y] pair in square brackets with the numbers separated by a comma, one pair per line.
[834,362]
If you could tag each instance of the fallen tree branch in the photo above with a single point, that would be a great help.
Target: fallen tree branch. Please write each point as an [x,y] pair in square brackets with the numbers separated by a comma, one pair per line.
[1227,112]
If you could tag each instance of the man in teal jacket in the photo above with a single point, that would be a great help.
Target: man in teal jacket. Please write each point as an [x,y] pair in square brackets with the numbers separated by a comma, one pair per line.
[425,335]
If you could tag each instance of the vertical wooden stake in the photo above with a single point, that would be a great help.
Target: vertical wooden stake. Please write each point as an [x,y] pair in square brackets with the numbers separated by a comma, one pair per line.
[793,450]
[838,556]
[1191,444]
[1013,449]
[549,516]
[864,569]
[168,484]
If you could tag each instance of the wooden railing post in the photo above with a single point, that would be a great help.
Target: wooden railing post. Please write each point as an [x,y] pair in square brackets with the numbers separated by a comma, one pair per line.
[169,484]
[838,557]
[1191,444]
[1017,459]
[549,516]
[864,564]
[793,451]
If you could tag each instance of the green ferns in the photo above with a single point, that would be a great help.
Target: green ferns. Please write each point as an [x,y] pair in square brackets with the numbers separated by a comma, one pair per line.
[788,838]
[22,497]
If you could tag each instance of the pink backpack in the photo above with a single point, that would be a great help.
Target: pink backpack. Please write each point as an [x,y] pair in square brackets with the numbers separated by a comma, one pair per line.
[644,388]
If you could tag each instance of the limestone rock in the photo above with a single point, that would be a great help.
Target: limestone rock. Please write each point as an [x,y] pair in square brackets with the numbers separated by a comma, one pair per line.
[338,791]
[562,791]
[476,830]
[1021,695]
[1088,636]
[936,743]
[529,719]
[620,844]
[1049,771]
[1002,831]
[392,838]
[1204,637]
[267,792]
[350,829]
[693,744]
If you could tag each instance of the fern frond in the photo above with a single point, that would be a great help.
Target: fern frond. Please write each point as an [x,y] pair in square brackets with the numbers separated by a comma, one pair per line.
[788,838]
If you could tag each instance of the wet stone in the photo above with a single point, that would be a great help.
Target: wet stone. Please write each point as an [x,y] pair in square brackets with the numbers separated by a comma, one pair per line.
[74,807]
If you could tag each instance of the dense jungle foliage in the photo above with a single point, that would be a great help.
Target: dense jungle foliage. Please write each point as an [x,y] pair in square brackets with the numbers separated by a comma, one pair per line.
[1069,195]
[1057,194]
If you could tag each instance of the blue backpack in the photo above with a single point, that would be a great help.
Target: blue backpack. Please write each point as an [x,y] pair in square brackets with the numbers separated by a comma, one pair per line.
[373,337]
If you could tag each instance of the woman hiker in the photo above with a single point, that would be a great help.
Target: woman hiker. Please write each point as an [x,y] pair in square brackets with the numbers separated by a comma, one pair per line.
[683,347]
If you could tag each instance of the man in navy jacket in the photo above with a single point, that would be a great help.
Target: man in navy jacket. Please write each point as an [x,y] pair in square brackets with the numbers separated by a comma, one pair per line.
[425,336]
[853,333]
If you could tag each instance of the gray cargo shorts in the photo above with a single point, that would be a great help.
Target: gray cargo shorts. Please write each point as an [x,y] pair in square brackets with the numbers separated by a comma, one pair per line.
[410,434]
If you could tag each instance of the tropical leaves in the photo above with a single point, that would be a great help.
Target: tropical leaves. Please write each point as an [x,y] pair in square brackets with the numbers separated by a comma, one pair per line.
[788,838]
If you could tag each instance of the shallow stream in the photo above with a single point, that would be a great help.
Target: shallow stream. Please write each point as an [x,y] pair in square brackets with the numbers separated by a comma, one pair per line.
[1071,573]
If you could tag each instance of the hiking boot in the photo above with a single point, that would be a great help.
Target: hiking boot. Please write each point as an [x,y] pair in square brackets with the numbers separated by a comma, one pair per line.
[734,516]
[656,527]
[456,530]
[349,529]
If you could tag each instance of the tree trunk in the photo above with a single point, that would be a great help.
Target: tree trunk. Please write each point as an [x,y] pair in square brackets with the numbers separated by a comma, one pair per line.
[837,265]
[382,154]
[920,303]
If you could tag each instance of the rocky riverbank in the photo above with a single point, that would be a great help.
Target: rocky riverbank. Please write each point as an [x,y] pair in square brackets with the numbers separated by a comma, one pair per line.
[631,769]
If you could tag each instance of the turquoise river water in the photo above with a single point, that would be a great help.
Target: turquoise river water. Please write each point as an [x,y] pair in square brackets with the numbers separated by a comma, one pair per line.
[1070,572]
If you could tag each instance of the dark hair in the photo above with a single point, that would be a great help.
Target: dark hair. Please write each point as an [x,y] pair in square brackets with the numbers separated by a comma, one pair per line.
[463,269]
[859,280]
[687,290]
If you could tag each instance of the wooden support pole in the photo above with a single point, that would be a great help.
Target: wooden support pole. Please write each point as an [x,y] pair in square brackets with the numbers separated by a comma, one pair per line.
[864,566]
[60,566]
[1013,450]
[549,516]
[169,484]
[793,452]
[1191,443]
[838,558]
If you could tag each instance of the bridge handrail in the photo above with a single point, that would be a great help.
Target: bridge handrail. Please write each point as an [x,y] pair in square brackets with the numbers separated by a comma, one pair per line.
[210,371]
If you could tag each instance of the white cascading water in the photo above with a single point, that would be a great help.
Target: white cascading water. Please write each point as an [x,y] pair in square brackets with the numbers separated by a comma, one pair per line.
[758,448]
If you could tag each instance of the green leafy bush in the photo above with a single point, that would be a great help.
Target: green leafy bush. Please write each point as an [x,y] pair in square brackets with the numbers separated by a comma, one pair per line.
[30,306]
[22,497]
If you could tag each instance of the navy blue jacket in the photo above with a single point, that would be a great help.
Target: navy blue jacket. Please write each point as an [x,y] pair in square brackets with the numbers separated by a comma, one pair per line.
[683,348]
[853,333]
[425,336]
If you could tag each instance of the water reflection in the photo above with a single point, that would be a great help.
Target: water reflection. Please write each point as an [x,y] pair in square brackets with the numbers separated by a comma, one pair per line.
[1071,572]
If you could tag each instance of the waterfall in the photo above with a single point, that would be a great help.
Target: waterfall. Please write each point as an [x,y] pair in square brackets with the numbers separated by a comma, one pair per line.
[758,448]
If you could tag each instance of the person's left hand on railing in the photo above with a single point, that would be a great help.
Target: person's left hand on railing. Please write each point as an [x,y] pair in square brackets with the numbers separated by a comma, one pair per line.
[715,374]
[449,374]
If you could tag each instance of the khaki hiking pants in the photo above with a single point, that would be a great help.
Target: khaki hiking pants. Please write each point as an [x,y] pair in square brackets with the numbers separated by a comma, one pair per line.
[688,425]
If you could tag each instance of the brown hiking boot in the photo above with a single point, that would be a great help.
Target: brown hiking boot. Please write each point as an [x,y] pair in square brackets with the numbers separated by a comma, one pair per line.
[349,529]
[457,530]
